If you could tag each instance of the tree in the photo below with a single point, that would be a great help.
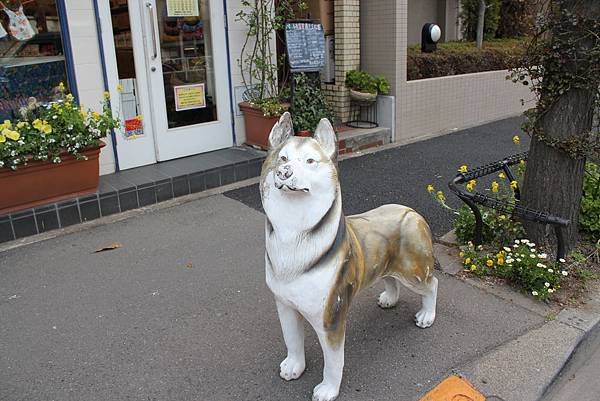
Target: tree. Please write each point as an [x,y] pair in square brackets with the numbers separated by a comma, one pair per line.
[562,66]
[480,23]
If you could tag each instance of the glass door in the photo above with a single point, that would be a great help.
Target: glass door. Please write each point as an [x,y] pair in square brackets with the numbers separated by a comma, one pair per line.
[187,76]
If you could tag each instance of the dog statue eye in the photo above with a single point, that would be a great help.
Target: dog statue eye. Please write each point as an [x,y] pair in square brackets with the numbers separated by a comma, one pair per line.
[284,159]
[310,161]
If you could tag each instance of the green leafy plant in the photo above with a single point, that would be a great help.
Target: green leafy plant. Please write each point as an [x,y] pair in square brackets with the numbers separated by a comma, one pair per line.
[310,104]
[45,131]
[589,214]
[258,61]
[362,81]
[498,228]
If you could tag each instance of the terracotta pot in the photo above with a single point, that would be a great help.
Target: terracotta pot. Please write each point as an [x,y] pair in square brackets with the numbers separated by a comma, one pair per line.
[258,127]
[304,133]
[41,182]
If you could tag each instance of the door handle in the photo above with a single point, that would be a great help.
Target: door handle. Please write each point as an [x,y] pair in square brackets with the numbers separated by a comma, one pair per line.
[153,29]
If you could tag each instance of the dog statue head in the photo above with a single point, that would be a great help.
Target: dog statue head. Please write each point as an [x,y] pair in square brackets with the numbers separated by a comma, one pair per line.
[299,177]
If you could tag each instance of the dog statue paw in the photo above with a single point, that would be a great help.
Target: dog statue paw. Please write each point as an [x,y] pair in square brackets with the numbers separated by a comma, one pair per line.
[317,260]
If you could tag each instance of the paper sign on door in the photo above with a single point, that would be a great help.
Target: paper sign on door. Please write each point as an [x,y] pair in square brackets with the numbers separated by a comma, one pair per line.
[188,97]
[182,8]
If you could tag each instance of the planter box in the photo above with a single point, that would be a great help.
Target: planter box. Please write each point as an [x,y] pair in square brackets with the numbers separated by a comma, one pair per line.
[258,127]
[42,182]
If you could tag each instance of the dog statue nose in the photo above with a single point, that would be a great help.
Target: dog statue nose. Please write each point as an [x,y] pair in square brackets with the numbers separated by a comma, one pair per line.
[284,172]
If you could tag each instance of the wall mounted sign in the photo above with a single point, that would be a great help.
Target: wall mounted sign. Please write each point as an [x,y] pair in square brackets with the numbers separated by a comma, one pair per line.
[305,43]
[182,8]
[188,97]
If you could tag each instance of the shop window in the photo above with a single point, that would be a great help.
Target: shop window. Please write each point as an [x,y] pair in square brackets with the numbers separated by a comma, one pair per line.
[32,61]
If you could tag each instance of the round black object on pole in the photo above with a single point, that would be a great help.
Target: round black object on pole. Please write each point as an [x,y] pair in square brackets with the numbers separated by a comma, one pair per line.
[430,35]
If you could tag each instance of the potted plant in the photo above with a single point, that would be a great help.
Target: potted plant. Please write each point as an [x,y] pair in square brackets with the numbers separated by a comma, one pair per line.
[309,105]
[365,87]
[263,100]
[51,152]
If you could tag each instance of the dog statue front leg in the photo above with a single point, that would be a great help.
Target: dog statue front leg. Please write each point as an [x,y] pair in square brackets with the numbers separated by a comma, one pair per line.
[292,326]
[333,357]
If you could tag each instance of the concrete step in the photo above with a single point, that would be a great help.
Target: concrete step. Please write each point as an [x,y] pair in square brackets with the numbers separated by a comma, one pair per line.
[352,140]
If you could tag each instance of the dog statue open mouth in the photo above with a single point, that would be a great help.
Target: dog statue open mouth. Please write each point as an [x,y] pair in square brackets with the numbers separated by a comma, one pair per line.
[317,260]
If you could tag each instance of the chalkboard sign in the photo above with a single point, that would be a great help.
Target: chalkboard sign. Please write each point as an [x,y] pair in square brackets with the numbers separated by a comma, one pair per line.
[305,44]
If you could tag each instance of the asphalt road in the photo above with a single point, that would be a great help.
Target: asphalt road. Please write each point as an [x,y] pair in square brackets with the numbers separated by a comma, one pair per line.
[181,311]
[401,175]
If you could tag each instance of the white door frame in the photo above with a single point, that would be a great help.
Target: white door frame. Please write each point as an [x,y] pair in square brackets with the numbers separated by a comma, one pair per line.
[141,150]
[156,146]
[177,142]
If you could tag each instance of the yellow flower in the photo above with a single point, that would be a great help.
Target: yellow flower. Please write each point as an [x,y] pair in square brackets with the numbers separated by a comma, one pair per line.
[55,106]
[7,124]
[95,115]
[70,97]
[461,254]
[430,188]
[10,134]
[467,261]
[502,175]
[138,117]
[522,162]
[119,88]
[22,124]
[463,169]
[513,184]
[494,186]
[500,261]
[440,196]
[106,95]
[516,139]
[61,87]
[489,263]
[46,129]
[471,185]
[2,138]
[473,268]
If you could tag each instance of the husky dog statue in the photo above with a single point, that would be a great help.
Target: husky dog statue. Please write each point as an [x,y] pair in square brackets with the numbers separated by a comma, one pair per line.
[317,260]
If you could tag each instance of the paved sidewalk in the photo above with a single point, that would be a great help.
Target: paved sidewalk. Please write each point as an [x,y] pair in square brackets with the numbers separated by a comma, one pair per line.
[181,311]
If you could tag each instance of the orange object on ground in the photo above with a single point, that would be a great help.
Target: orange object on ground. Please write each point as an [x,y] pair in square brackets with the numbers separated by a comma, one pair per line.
[454,388]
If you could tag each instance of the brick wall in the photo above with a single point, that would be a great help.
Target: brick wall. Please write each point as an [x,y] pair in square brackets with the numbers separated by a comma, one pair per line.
[347,54]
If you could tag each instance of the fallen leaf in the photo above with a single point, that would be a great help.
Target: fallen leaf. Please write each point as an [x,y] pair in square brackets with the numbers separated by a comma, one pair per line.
[189,265]
[114,245]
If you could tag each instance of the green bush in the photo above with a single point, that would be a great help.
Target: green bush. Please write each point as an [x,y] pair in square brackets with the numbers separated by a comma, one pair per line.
[362,81]
[454,58]
[468,18]
[589,215]
[498,228]
[310,105]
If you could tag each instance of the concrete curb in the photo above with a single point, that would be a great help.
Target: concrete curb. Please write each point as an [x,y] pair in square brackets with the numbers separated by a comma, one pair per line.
[524,368]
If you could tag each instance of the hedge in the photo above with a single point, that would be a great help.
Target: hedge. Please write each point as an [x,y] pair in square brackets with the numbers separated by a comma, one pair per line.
[455,58]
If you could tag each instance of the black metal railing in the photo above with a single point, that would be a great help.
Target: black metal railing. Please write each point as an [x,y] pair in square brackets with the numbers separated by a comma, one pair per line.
[472,199]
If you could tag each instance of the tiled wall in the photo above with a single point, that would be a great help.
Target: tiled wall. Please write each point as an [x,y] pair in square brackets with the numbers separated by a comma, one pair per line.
[88,65]
[347,54]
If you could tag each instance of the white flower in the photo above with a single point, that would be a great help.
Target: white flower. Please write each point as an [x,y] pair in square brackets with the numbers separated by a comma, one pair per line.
[541,265]
[524,241]
[507,249]
[532,256]
[515,246]
[531,244]
[517,241]
[561,260]
[550,290]
[509,260]
[542,256]
[518,259]
[480,247]
[54,117]
[564,273]
[547,285]
[550,271]
[534,293]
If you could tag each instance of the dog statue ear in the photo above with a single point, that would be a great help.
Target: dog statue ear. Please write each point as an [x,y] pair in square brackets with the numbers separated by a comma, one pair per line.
[281,131]
[325,135]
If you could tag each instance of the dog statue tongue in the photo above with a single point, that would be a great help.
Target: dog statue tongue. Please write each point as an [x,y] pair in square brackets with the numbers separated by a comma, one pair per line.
[317,260]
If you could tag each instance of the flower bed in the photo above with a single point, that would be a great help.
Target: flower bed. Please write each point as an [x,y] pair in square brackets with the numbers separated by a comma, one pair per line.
[454,58]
